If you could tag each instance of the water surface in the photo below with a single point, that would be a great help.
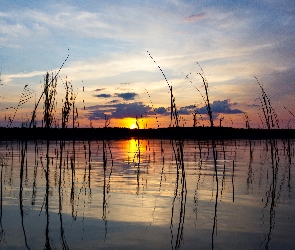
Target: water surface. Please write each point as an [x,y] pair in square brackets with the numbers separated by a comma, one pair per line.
[147,194]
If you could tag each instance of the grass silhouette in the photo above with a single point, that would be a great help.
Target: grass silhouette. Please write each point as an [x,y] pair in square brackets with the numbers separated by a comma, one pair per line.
[49,92]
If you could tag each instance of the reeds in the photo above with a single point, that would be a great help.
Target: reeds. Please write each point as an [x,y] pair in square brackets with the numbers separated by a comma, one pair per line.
[21,200]
[214,150]
[180,182]
[25,97]
[49,91]
[206,97]
[270,116]
[154,109]
[271,121]
[247,121]
[174,116]
[2,232]
[68,105]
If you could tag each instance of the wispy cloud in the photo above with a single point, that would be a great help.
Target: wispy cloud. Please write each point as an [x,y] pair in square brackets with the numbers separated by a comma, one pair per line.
[10,77]
[195,17]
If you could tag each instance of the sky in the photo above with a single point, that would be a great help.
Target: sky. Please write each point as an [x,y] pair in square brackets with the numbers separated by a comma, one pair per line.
[120,56]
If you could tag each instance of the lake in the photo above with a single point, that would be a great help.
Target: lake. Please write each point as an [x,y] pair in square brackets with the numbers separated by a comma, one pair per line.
[147,194]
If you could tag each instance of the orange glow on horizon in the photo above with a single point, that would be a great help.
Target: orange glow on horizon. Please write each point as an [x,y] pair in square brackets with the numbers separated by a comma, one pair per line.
[127,123]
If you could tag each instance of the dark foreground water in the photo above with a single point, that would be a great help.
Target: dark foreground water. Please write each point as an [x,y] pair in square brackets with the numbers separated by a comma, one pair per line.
[147,194]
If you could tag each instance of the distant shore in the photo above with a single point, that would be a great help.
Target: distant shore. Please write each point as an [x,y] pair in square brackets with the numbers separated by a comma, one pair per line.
[200,133]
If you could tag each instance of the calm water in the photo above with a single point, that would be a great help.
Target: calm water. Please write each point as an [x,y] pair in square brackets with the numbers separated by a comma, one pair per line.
[147,194]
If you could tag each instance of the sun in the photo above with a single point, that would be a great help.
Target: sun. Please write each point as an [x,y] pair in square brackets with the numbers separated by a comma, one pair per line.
[132,126]
[129,123]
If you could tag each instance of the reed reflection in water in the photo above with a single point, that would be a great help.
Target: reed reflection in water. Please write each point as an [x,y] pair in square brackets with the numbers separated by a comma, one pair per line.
[147,194]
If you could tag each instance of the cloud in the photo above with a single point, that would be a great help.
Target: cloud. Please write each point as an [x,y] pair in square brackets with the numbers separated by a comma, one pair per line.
[103,96]
[120,110]
[96,115]
[162,111]
[114,101]
[11,77]
[224,107]
[220,107]
[127,96]
[186,111]
[253,105]
[131,110]
[194,18]
[99,89]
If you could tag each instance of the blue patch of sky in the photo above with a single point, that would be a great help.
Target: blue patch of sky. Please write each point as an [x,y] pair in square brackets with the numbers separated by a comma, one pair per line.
[9,5]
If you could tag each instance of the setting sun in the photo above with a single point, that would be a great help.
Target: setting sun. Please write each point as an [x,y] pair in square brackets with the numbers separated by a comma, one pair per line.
[133,126]
[127,123]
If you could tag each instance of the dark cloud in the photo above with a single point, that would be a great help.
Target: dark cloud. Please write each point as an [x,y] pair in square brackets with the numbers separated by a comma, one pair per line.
[114,101]
[190,107]
[220,107]
[127,96]
[131,110]
[103,96]
[120,110]
[186,111]
[96,115]
[161,111]
[224,107]
[138,109]
[99,89]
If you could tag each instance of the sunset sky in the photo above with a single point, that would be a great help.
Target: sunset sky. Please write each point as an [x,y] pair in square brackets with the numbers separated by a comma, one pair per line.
[113,74]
